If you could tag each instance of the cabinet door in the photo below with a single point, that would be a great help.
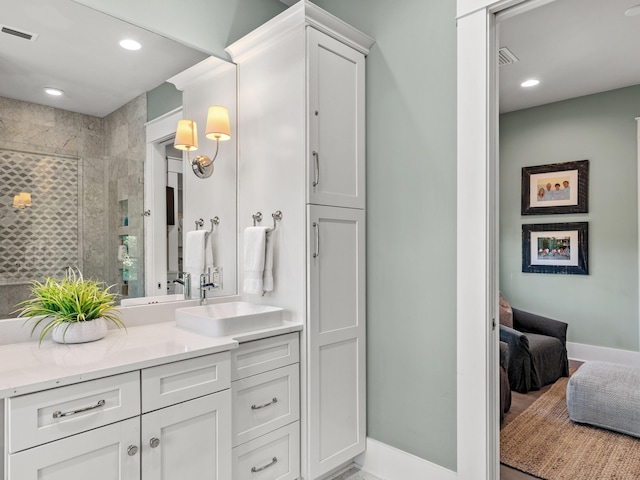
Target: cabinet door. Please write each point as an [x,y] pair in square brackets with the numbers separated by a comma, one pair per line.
[336,337]
[106,453]
[336,112]
[191,440]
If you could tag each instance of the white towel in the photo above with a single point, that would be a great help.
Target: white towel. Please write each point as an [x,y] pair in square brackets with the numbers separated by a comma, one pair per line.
[208,255]
[267,275]
[194,258]
[254,256]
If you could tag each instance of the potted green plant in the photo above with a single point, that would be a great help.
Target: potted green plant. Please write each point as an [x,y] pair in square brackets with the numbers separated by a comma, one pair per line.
[73,309]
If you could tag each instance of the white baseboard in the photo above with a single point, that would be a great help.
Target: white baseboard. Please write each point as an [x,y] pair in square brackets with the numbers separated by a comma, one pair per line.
[582,352]
[389,463]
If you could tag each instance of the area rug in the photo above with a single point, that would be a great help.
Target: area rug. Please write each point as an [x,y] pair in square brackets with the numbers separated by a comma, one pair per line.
[543,441]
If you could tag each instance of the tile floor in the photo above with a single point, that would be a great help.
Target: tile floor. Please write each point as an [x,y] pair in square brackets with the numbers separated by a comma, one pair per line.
[354,474]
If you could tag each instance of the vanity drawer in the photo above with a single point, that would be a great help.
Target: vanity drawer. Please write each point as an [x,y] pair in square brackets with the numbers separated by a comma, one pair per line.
[177,382]
[49,415]
[263,355]
[264,402]
[274,456]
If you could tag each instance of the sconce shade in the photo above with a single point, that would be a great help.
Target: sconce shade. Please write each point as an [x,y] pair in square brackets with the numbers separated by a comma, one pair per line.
[186,135]
[22,200]
[218,127]
[26,198]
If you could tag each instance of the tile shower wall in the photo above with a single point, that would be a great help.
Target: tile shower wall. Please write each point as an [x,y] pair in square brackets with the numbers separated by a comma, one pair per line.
[110,158]
[40,240]
[125,149]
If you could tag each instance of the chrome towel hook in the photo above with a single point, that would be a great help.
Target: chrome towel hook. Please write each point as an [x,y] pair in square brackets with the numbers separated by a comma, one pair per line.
[277,216]
[215,221]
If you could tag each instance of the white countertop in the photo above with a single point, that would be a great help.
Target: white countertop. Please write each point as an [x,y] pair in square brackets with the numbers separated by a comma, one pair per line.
[28,367]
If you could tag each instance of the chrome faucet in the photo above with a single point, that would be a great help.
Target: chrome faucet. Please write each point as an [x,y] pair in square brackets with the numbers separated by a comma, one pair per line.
[205,284]
[185,282]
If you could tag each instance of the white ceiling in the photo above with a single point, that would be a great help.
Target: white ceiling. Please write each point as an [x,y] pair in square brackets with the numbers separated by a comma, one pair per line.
[574,47]
[77,51]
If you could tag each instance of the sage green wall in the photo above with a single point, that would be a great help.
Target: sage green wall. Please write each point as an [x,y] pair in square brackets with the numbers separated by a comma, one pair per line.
[411,222]
[162,99]
[601,308]
[411,191]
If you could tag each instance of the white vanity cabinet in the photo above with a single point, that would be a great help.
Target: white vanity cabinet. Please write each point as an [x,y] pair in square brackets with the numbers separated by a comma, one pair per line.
[76,431]
[301,90]
[336,115]
[266,409]
[186,421]
[336,336]
[179,426]
[99,454]
[189,440]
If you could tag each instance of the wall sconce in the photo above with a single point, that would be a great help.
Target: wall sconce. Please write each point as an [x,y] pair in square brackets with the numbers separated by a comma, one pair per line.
[217,129]
[22,200]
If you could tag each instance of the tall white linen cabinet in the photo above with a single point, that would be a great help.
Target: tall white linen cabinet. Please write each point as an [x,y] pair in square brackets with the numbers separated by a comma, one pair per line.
[301,131]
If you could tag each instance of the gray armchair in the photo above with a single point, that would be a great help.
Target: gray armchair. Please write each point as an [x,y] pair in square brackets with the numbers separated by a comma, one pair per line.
[537,351]
[505,388]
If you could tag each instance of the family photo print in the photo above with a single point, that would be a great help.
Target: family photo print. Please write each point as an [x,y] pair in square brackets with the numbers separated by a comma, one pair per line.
[555,188]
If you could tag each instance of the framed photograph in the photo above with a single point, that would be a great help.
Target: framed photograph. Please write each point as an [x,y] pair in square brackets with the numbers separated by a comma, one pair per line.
[555,248]
[555,188]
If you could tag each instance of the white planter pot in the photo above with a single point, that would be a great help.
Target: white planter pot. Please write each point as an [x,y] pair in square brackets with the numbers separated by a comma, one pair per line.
[80,332]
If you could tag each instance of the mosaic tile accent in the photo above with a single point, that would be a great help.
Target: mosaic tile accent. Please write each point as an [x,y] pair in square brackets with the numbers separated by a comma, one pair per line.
[40,240]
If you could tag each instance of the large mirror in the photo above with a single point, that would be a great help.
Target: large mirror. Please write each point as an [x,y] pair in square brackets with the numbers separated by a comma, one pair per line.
[73,165]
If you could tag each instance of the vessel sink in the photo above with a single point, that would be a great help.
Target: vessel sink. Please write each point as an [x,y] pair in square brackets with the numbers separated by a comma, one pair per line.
[222,319]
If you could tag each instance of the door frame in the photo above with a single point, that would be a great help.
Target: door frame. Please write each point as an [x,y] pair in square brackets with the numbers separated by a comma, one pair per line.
[158,132]
[478,235]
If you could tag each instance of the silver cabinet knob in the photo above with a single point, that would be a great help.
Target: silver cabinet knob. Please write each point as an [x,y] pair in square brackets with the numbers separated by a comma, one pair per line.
[154,442]
[132,450]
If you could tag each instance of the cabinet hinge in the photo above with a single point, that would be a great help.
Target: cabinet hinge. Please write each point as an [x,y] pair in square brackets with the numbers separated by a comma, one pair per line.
[493,323]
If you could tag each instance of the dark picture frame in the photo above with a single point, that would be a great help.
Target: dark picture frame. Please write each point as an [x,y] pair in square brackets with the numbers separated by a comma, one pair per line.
[569,192]
[559,248]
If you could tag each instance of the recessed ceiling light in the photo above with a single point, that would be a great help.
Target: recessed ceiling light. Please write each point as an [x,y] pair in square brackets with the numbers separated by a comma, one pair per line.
[530,83]
[130,44]
[633,11]
[56,92]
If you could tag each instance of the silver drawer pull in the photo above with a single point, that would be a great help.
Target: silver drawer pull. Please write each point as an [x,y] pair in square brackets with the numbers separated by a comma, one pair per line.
[132,450]
[258,407]
[316,178]
[59,414]
[154,442]
[259,469]
[316,228]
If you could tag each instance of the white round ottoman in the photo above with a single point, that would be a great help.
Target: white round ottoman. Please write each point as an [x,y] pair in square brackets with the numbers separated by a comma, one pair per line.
[606,395]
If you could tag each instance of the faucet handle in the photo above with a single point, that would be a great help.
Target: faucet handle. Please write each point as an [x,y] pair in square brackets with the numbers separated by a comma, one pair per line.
[186,282]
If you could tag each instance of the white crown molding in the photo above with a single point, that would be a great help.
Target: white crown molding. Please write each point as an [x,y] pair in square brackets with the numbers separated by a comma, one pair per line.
[206,69]
[303,13]
[163,125]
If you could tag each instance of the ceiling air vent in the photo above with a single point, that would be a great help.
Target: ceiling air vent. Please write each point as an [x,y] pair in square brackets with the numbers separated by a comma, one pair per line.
[19,33]
[506,57]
